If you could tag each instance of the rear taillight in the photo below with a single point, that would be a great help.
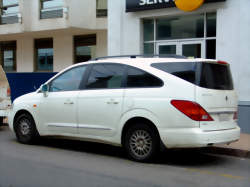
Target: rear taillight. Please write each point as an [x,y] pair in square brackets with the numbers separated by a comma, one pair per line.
[8,92]
[235,116]
[192,110]
[222,62]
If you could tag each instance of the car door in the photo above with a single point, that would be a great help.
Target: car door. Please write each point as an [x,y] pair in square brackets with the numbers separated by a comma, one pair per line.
[100,102]
[58,110]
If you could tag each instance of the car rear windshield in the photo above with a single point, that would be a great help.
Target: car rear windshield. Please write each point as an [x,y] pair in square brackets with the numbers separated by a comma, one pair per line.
[206,75]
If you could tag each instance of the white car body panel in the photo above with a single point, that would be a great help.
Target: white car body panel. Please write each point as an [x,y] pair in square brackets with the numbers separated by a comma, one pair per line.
[101,120]
[62,114]
[100,115]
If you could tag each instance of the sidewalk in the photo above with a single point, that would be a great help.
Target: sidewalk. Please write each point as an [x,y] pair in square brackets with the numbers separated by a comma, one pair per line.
[240,148]
[242,144]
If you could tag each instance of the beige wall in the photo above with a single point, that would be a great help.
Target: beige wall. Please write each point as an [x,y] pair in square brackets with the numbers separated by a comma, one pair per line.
[25,54]
[63,52]
[78,14]
[62,44]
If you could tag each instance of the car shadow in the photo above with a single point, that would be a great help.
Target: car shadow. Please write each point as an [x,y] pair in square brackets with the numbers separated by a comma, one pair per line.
[175,157]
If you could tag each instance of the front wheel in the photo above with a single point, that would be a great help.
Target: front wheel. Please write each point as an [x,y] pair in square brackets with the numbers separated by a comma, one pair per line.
[25,129]
[141,143]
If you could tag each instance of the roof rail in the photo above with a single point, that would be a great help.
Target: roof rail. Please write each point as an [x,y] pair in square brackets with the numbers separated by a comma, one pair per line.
[143,56]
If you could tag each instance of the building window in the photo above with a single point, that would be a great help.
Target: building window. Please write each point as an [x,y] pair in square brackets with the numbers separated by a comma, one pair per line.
[101,8]
[191,35]
[8,55]
[51,9]
[9,11]
[44,54]
[84,48]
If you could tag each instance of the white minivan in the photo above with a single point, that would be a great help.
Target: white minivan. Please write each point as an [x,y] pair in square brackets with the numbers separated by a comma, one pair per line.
[135,102]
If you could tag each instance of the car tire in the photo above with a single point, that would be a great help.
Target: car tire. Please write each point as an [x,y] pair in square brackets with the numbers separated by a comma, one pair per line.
[25,129]
[141,143]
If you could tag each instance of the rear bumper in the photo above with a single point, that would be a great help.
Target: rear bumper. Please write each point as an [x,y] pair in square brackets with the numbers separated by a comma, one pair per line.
[195,137]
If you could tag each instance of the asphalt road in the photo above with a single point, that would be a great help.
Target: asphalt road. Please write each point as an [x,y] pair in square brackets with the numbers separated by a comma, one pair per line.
[74,163]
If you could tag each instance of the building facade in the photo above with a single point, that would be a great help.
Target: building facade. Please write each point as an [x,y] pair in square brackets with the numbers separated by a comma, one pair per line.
[49,35]
[219,29]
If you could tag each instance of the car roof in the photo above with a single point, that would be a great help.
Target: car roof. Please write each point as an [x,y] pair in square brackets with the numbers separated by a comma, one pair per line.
[145,61]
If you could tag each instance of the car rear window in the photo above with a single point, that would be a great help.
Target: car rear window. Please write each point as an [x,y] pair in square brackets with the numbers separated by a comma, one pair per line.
[216,76]
[206,75]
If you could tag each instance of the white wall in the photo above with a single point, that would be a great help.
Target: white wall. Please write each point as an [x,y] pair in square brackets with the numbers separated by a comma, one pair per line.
[233,42]
[123,30]
[233,35]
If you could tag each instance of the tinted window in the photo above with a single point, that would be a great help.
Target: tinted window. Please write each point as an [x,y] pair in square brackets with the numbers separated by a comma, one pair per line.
[182,70]
[216,76]
[206,75]
[68,81]
[105,76]
[137,78]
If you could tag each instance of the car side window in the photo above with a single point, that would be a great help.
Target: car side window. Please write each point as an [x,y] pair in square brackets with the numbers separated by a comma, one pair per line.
[69,80]
[105,76]
[137,78]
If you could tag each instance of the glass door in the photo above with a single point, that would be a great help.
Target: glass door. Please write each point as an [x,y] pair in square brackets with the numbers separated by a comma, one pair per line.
[169,48]
[192,49]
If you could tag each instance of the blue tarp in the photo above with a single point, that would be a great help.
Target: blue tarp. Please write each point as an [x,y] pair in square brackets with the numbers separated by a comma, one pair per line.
[22,83]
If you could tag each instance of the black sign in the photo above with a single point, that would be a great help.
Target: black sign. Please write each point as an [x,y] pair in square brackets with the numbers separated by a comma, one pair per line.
[139,5]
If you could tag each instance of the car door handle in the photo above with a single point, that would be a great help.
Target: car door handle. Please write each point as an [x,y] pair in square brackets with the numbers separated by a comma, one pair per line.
[112,101]
[69,103]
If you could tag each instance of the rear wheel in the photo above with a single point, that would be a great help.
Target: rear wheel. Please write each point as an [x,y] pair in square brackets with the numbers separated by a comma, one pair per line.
[25,129]
[141,143]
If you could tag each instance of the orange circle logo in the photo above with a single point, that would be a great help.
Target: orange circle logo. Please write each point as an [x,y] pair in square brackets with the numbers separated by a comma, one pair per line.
[188,5]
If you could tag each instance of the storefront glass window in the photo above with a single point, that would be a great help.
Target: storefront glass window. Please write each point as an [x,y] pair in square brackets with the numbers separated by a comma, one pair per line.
[148,30]
[149,48]
[44,54]
[211,24]
[189,35]
[85,53]
[84,47]
[167,49]
[8,56]
[180,27]
[211,49]
[192,50]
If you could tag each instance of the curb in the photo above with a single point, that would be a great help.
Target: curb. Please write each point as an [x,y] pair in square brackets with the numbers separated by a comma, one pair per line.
[228,151]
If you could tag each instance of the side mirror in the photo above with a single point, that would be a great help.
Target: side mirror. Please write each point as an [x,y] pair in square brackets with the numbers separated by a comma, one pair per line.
[45,89]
